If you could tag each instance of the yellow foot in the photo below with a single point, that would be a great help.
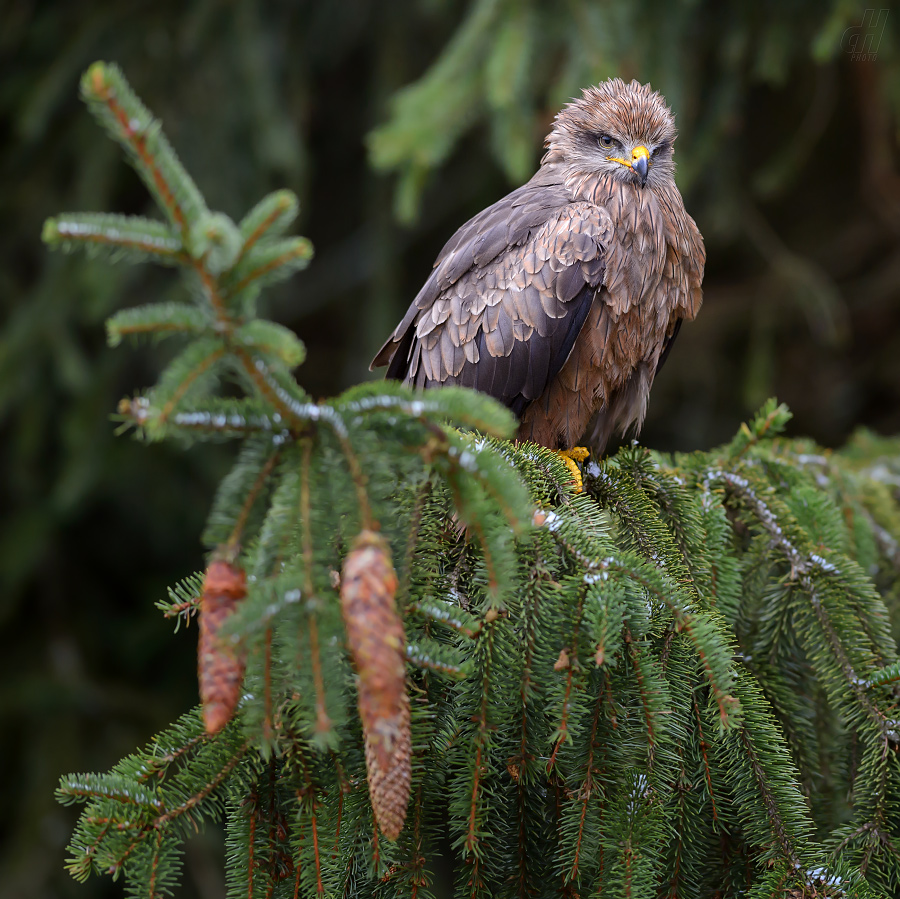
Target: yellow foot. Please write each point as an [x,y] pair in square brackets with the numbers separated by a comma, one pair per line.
[570,458]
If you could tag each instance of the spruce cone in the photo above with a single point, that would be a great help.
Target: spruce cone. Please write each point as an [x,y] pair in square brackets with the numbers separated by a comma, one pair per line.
[378,646]
[220,667]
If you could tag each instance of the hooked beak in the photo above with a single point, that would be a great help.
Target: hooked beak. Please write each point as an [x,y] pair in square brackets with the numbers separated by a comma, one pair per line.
[640,162]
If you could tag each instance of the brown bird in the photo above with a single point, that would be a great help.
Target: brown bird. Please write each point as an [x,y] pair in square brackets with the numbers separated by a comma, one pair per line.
[562,299]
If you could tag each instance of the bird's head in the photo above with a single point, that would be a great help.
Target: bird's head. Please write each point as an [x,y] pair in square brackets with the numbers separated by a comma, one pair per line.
[624,130]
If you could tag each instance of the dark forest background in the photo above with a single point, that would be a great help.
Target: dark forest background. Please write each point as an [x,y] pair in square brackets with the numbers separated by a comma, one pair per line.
[394,122]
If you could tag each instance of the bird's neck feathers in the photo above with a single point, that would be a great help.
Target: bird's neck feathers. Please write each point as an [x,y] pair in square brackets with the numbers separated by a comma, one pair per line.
[617,195]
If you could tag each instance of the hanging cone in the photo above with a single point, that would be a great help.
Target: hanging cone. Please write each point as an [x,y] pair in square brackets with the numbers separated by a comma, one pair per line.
[220,666]
[378,646]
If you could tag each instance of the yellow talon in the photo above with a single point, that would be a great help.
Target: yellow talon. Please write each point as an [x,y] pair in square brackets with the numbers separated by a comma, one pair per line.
[578,453]
[570,458]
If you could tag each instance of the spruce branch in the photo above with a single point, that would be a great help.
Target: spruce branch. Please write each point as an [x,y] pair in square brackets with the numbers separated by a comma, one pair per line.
[771,419]
[804,568]
[323,721]
[160,319]
[271,217]
[130,124]
[115,237]
[269,263]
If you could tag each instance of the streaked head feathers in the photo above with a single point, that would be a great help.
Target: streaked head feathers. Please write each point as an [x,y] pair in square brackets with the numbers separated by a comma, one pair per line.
[630,114]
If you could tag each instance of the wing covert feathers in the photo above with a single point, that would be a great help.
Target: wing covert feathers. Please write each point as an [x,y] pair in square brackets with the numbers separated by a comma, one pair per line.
[507,298]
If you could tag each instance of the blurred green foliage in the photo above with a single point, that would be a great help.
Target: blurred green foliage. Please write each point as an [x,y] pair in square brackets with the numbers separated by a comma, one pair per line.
[788,161]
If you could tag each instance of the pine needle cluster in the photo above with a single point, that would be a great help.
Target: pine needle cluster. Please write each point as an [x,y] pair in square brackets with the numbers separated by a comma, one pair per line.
[679,682]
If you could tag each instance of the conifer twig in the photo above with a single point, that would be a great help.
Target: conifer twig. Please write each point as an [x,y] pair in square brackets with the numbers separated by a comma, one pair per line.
[323,721]
[802,567]
[586,790]
[261,480]
[104,85]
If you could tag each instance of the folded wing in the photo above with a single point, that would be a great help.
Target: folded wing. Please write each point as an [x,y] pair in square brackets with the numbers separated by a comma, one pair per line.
[507,298]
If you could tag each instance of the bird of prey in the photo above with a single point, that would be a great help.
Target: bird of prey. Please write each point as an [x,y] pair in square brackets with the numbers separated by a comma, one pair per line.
[562,299]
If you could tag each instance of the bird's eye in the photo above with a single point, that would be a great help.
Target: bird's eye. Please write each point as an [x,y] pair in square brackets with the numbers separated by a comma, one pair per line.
[658,150]
[606,141]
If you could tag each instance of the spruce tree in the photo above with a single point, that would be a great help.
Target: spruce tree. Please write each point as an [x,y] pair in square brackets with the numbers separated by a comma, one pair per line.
[419,639]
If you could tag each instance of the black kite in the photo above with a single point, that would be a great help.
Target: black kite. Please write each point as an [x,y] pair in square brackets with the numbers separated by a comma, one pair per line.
[562,299]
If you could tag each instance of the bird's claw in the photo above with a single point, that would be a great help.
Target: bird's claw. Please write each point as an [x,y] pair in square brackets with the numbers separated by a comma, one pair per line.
[570,458]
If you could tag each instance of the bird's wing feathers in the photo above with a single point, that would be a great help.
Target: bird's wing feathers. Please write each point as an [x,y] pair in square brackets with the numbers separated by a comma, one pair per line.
[667,346]
[508,296]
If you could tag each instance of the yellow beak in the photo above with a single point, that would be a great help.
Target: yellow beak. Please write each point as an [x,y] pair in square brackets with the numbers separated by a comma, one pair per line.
[640,162]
